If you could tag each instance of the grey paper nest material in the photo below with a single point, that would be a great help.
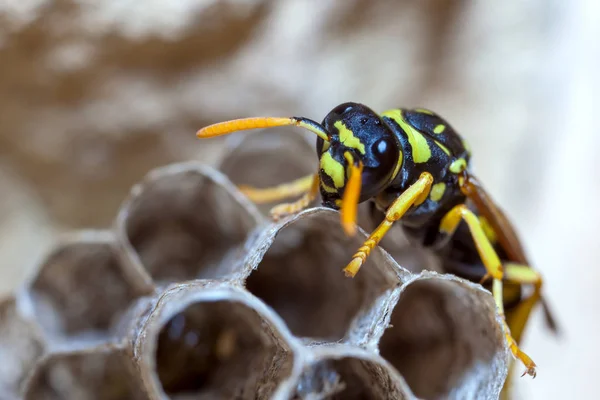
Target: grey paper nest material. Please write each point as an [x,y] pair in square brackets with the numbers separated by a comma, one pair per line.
[196,295]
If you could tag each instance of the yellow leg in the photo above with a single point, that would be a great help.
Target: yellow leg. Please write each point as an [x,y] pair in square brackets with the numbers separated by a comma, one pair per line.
[280,192]
[518,317]
[284,209]
[522,274]
[494,270]
[413,195]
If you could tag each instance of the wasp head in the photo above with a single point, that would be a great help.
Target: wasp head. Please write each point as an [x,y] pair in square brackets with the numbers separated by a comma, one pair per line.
[357,135]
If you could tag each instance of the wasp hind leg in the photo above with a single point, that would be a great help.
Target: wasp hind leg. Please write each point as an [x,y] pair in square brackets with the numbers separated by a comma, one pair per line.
[518,317]
[415,194]
[494,268]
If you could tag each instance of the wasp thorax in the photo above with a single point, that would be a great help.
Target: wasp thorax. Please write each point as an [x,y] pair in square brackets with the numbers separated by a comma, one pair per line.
[357,129]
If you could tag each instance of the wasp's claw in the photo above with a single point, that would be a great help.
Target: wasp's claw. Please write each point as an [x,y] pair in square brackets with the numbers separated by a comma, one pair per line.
[530,371]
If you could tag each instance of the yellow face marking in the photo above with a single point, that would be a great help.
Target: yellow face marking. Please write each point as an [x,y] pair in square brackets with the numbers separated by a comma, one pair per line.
[488,230]
[424,111]
[326,146]
[334,169]
[458,166]
[437,191]
[421,151]
[328,188]
[398,164]
[444,148]
[348,139]
[439,129]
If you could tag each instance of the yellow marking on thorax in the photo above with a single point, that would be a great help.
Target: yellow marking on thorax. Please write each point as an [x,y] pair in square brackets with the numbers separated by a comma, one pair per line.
[333,168]
[424,111]
[348,139]
[444,148]
[439,129]
[437,191]
[488,230]
[458,166]
[421,151]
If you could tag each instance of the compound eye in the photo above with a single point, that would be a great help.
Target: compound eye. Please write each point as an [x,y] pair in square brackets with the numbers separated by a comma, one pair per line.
[343,109]
[384,155]
[385,151]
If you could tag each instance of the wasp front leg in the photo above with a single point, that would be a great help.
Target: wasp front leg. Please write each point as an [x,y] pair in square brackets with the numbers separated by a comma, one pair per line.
[413,195]
[279,192]
[284,209]
[494,269]
[308,186]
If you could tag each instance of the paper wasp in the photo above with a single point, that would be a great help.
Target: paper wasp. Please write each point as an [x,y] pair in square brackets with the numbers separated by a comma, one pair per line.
[415,167]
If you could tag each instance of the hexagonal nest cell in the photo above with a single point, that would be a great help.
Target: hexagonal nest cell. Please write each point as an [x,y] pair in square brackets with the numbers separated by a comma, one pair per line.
[301,277]
[98,373]
[186,222]
[83,287]
[251,159]
[219,345]
[345,372]
[194,294]
[443,338]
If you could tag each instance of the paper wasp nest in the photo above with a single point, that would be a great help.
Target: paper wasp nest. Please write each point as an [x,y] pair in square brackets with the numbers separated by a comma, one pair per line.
[196,294]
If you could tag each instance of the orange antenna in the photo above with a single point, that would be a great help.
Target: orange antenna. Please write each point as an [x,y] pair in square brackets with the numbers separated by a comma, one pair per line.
[223,128]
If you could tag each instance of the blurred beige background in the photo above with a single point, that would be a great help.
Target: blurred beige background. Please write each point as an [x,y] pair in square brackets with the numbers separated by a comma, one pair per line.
[93,94]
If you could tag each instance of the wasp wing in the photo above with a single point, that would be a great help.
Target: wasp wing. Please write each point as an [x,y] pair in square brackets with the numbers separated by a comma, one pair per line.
[507,236]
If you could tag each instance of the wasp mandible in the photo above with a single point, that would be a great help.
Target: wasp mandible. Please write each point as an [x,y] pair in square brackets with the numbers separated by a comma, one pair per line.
[415,168]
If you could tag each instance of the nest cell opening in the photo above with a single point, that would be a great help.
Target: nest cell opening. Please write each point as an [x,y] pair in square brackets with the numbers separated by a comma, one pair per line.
[348,378]
[268,159]
[443,335]
[301,277]
[186,226]
[220,349]
[92,374]
[82,288]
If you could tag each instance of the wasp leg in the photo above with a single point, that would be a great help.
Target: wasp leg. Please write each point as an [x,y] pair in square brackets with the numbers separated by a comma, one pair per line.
[522,274]
[415,194]
[279,192]
[517,318]
[284,209]
[494,269]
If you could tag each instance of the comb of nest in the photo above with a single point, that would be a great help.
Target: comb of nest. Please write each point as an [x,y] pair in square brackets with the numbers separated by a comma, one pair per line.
[196,294]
